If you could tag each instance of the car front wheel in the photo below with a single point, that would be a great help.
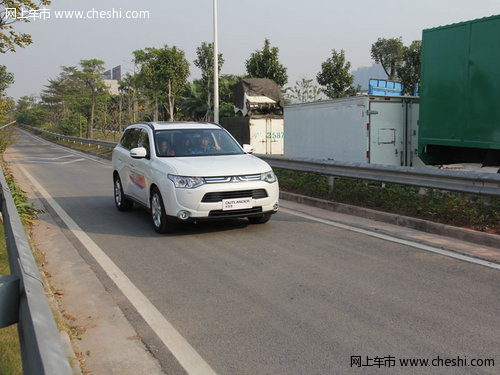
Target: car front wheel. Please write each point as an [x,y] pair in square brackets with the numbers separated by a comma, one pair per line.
[158,215]
[122,203]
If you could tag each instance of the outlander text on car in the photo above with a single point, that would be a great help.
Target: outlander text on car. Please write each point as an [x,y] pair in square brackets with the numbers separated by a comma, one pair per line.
[191,171]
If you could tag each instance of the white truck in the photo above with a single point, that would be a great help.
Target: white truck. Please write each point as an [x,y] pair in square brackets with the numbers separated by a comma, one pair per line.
[264,132]
[369,129]
[258,105]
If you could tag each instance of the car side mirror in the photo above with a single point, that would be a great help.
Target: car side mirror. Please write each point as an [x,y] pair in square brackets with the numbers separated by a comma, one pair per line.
[138,153]
[248,149]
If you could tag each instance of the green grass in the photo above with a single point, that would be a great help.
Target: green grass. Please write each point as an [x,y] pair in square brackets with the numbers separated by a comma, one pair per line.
[10,351]
[464,210]
[81,146]
[85,147]
[24,209]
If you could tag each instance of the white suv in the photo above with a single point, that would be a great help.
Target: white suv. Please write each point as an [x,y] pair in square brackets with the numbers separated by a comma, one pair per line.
[190,171]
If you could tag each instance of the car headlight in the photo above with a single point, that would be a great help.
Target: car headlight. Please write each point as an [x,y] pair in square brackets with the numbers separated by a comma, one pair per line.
[268,177]
[185,182]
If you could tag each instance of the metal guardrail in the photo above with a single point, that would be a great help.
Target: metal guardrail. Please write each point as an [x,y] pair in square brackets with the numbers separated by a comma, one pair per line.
[9,124]
[459,181]
[80,140]
[23,300]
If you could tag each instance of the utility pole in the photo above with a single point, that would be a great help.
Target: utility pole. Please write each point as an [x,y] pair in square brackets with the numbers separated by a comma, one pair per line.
[216,68]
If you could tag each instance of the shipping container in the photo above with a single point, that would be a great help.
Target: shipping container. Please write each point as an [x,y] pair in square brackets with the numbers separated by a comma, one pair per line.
[460,93]
[367,129]
[264,133]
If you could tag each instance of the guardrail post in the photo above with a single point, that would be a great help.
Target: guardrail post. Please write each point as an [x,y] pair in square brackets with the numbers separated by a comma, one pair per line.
[331,183]
[9,300]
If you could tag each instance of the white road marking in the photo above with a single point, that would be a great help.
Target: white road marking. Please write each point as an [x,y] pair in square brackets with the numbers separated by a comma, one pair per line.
[394,239]
[62,148]
[53,162]
[185,354]
[55,158]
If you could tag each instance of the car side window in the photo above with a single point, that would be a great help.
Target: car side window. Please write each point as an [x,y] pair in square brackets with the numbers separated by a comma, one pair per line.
[144,142]
[130,138]
[124,139]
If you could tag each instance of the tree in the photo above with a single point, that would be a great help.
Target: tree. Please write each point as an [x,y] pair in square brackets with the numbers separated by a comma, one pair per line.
[91,76]
[128,87]
[6,79]
[205,62]
[353,90]
[163,72]
[146,77]
[388,53]
[265,64]
[173,69]
[226,86]
[193,103]
[67,101]
[409,71]
[63,94]
[28,111]
[303,91]
[194,106]
[12,12]
[335,76]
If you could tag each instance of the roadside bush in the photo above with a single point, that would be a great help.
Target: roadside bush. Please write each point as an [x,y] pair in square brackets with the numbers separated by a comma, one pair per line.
[7,137]
[25,209]
[70,125]
[440,206]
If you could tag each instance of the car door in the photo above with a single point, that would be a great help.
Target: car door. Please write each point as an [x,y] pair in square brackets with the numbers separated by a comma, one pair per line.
[140,170]
[122,157]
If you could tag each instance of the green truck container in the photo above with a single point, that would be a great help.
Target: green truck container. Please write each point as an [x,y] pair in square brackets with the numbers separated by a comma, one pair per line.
[459,118]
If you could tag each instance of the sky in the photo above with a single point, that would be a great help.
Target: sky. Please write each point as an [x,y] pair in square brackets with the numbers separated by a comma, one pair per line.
[304,31]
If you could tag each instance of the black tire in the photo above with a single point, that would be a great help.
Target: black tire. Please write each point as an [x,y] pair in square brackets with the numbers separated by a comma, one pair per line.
[262,219]
[158,214]
[122,203]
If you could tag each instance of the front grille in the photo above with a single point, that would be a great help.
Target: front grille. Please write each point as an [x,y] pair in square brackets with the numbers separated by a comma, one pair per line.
[218,196]
[225,179]
[235,213]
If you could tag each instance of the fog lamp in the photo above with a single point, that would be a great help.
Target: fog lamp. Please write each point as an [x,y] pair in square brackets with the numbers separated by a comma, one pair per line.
[183,215]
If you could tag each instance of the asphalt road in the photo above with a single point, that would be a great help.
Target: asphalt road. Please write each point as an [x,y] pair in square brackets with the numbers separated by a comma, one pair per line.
[293,296]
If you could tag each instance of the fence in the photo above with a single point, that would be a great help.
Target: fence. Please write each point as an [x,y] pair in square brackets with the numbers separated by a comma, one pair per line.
[460,181]
[23,300]
[80,140]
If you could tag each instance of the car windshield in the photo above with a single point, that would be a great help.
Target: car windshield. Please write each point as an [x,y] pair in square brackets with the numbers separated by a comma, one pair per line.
[195,142]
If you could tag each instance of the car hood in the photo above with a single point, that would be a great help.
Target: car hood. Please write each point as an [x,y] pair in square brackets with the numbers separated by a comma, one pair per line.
[221,165]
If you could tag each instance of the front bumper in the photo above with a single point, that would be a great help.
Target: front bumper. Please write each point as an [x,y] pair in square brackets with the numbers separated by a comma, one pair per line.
[211,208]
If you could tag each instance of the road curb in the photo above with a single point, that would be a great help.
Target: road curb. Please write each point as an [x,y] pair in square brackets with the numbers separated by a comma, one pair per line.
[463,234]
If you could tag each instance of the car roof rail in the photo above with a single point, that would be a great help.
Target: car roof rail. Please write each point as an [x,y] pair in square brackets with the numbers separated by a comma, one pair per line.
[149,124]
